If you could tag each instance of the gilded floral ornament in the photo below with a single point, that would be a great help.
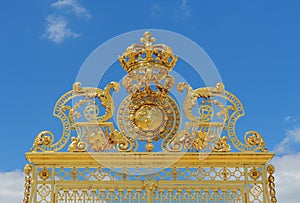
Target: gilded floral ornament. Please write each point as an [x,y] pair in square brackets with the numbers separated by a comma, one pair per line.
[76,145]
[254,173]
[221,145]
[44,138]
[44,174]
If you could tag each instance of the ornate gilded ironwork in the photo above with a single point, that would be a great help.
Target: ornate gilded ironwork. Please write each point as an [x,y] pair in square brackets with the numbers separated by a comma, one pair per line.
[149,155]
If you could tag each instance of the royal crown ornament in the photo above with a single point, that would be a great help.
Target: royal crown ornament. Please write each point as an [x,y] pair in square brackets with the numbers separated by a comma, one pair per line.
[147,54]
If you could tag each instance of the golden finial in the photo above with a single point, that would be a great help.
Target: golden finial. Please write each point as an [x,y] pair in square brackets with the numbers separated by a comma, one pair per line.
[147,40]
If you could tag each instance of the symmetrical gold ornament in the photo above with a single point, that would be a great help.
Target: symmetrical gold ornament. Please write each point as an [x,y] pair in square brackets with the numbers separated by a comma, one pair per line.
[146,55]
[149,113]
[201,160]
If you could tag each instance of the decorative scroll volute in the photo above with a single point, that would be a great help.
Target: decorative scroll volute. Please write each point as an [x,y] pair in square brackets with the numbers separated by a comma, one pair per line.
[69,114]
[218,111]
[91,111]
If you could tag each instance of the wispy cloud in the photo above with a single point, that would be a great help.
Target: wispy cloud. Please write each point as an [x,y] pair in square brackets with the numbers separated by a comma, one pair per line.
[57,24]
[185,10]
[290,142]
[155,10]
[287,177]
[73,5]
[57,29]
[288,119]
[12,186]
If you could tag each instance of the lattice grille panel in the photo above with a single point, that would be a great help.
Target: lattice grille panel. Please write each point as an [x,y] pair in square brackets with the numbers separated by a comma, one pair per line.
[152,193]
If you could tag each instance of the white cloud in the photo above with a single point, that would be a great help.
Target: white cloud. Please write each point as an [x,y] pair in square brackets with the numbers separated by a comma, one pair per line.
[287,177]
[57,29]
[288,119]
[73,5]
[185,9]
[289,143]
[12,186]
[155,9]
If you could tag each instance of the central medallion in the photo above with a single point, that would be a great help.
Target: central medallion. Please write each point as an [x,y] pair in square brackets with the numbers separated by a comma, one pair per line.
[149,118]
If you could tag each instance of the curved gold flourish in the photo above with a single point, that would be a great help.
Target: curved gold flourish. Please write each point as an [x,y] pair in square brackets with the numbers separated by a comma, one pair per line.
[123,143]
[93,93]
[67,114]
[193,95]
[28,182]
[253,140]
[221,145]
[44,138]
[76,145]
[184,140]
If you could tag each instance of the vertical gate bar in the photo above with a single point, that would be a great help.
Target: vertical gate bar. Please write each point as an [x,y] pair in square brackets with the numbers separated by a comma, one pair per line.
[264,183]
[129,196]
[161,196]
[121,194]
[66,195]
[188,195]
[74,196]
[111,196]
[246,183]
[139,196]
[170,195]
[34,186]
[149,195]
[52,197]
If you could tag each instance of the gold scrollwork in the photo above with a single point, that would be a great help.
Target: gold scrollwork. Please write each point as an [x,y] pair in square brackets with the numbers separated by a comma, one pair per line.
[44,140]
[253,138]
[76,145]
[221,145]
[122,143]
[149,113]
[192,96]
[91,110]
[227,114]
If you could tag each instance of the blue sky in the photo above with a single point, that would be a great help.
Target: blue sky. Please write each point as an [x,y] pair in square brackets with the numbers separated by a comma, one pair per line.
[254,44]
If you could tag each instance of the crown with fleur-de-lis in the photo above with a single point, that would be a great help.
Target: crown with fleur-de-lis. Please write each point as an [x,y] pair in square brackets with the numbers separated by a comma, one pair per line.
[147,54]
